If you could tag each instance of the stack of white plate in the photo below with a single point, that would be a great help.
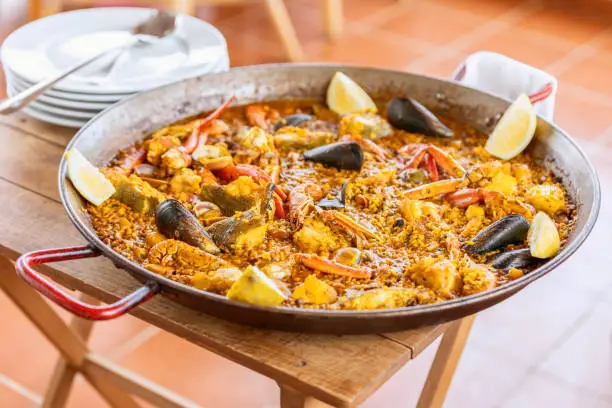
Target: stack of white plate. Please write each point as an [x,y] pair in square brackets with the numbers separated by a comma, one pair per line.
[48,46]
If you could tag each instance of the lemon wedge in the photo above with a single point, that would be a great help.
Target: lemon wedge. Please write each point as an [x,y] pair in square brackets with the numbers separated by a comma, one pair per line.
[87,179]
[543,237]
[345,96]
[514,130]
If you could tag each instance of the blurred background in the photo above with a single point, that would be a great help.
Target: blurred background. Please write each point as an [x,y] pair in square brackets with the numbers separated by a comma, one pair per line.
[549,346]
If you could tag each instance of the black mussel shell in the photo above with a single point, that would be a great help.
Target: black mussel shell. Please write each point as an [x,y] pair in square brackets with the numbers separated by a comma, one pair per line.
[332,204]
[226,233]
[175,221]
[519,258]
[336,202]
[511,229]
[409,115]
[342,192]
[341,155]
[292,120]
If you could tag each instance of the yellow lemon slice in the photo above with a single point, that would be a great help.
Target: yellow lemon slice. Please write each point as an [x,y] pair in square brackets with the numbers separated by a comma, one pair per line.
[87,179]
[543,237]
[345,96]
[514,130]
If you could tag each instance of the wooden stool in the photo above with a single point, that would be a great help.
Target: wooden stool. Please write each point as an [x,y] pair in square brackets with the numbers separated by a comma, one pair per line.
[276,9]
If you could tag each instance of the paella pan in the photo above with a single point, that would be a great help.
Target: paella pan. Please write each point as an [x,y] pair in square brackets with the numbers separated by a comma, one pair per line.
[323,198]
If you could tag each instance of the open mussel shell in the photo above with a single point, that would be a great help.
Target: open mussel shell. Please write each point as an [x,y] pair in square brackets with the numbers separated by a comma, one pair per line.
[519,258]
[409,115]
[336,202]
[341,155]
[292,120]
[246,228]
[175,221]
[331,204]
[511,229]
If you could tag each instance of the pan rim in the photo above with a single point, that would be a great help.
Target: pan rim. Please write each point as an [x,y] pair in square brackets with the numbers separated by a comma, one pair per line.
[506,289]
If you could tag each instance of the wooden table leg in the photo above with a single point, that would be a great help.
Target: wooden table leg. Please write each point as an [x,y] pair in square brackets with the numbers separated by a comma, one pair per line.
[71,347]
[290,398]
[113,382]
[334,18]
[280,17]
[444,364]
[63,374]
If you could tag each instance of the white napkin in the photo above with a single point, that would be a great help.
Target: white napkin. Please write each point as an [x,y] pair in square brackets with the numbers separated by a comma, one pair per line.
[503,76]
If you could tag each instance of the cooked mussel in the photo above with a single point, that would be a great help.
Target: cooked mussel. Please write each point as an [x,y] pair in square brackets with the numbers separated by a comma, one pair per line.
[341,155]
[174,220]
[292,120]
[247,229]
[511,229]
[409,115]
[337,202]
[519,258]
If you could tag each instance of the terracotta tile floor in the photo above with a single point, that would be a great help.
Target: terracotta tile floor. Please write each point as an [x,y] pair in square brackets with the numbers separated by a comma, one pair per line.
[548,346]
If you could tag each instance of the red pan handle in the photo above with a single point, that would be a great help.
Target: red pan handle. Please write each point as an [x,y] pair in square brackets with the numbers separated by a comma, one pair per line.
[54,292]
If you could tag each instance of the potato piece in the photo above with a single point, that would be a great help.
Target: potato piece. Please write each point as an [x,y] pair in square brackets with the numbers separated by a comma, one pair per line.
[315,291]
[218,281]
[475,211]
[549,198]
[255,287]
[502,182]
[522,173]
[385,298]
[138,194]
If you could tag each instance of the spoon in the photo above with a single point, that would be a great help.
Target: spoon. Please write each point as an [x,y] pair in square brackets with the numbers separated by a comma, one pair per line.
[160,25]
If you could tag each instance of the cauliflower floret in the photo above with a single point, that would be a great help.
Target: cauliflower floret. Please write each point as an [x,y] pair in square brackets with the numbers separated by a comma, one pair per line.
[160,145]
[174,160]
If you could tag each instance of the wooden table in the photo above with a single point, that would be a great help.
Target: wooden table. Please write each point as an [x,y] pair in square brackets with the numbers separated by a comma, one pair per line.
[311,370]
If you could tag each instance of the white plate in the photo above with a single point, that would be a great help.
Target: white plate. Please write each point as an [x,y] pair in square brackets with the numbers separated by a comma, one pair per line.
[60,102]
[57,111]
[47,46]
[13,77]
[54,119]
